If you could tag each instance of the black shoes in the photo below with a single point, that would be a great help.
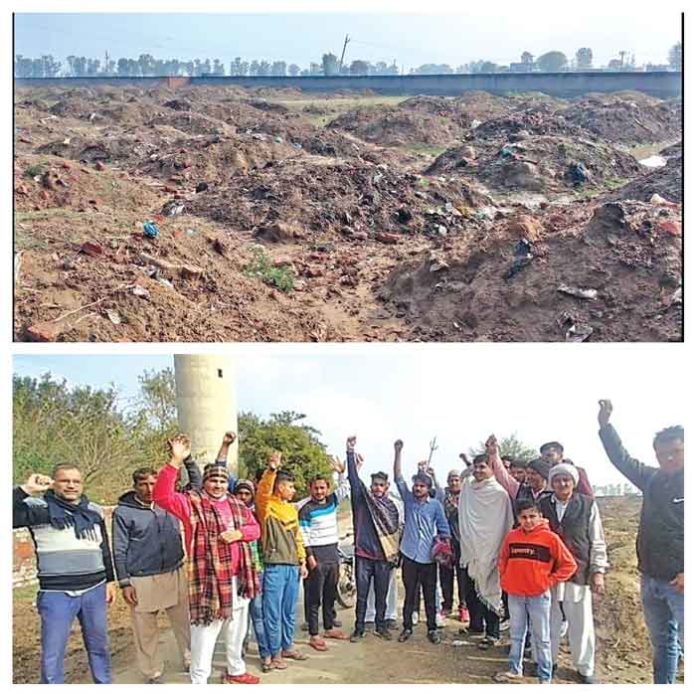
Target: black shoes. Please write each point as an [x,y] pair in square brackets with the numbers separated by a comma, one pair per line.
[405,635]
[383,633]
[356,636]
[391,624]
[434,637]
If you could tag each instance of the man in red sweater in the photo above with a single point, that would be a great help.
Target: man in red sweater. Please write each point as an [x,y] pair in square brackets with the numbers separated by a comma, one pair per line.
[222,577]
[532,560]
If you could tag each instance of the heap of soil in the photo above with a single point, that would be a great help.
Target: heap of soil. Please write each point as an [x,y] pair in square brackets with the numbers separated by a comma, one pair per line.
[665,181]
[398,127]
[626,253]
[539,164]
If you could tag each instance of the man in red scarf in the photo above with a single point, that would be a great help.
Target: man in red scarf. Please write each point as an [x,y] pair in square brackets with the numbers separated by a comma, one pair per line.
[218,530]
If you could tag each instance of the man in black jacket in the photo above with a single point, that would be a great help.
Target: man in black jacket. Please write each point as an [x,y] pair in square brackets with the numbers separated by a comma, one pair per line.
[74,568]
[149,560]
[660,542]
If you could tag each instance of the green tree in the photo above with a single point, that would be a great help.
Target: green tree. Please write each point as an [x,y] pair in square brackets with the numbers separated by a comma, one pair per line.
[330,64]
[583,58]
[303,453]
[511,447]
[553,61]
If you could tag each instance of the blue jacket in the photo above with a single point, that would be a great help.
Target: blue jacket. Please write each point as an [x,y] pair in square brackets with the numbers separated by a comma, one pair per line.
[146,540]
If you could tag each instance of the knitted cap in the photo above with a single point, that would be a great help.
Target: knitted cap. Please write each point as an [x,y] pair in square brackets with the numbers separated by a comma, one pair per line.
[541,466]
[564,468]
[244,485]
[215,470]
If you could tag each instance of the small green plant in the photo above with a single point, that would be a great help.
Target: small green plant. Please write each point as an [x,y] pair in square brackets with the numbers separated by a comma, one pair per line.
[34,170]
[261,267]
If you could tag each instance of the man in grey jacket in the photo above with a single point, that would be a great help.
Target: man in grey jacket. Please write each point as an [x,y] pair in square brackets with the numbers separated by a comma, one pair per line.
[149,561]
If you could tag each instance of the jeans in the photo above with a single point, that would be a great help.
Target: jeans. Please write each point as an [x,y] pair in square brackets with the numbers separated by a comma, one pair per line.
[281,585]
[479,614]
[58,611]
[256,621]
[663,607]
[415,575]
[535,611]
[320,590]
[367,570]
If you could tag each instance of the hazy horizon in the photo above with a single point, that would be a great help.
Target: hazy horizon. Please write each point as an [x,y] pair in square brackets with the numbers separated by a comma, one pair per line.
[409,40]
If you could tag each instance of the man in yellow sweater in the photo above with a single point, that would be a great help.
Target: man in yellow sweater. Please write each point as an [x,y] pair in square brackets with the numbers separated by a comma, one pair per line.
[284,559]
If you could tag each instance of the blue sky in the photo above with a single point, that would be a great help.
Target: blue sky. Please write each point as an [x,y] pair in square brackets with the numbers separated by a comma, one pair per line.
[495,32]
[459,395]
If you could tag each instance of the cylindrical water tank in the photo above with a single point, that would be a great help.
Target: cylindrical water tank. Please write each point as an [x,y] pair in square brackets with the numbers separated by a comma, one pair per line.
[206,404]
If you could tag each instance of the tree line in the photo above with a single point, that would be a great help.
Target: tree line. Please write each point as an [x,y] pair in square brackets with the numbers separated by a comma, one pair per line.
[147,65]
[108,437]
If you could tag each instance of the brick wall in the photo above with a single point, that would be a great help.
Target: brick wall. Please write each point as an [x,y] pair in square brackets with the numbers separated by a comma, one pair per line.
[23,558]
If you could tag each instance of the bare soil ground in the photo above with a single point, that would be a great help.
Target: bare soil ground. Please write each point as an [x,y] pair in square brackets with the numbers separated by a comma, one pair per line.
[623,654]
[283,217]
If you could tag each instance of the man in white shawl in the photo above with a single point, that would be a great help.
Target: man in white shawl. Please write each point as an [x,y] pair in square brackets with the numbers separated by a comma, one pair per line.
[485,517]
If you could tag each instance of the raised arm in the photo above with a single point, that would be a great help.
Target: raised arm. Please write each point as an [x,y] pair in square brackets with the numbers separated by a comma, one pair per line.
[502,475]
[354,482]
[343,486]
[164,493]
[265,487]
[636,472]
[24,514]
[398,474]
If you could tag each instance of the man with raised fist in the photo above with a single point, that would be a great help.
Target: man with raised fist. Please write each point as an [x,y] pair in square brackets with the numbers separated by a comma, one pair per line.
[74,568]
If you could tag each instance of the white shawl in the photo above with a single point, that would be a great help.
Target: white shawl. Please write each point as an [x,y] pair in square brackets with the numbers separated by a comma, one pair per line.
[485,517]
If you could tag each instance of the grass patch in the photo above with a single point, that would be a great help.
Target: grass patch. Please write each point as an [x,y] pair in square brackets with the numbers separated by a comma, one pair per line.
[262,268]
[24,595]
[36,170]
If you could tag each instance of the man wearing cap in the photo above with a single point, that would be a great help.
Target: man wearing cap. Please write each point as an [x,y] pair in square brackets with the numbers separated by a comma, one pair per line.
[660,542]
[575,518]
[552,452]
[376,538]
[218,530]
[449,497]
[424,525]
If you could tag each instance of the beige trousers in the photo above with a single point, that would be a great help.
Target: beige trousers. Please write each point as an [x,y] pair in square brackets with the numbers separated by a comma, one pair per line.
[144,621]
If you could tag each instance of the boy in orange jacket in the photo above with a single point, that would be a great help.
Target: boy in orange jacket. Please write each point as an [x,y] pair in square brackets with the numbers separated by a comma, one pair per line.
[532,560]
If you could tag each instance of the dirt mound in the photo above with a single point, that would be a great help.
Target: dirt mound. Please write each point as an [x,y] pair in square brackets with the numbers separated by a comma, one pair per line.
[538,118]
[627,119]
[548,164]
[325,196]
[190,122]
[664,181]
[508,286]
[398,127]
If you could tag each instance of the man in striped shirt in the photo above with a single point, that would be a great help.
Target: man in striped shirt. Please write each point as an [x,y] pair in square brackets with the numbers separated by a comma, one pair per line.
[74,567]
[319,527]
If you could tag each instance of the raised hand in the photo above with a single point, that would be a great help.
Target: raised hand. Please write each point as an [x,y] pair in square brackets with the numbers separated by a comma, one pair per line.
[228,438]
[422,465]
[350,443]
[491,445]
[180,448]
[337,465]
[398,445]
[37,483]
[274,460]
[605,409]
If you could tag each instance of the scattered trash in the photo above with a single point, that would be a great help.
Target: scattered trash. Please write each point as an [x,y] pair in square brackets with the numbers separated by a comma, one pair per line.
[44,331]
[670,227]
[191,233]
[387,238]
[202,186]
[114,316]
[523,257]
[278,140]
[172,208]
[140,291]
[575,332]
[150,229]
[17,265]
[165,282]
[578,173]
[100,166]
[582,293]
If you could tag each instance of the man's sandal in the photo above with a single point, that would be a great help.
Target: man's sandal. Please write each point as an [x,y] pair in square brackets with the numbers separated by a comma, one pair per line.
[293,655]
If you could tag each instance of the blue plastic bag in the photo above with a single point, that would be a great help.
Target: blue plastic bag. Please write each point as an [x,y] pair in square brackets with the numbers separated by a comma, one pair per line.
[150,229]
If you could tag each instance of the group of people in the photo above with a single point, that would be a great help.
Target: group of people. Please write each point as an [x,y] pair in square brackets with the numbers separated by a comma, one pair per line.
[220,555]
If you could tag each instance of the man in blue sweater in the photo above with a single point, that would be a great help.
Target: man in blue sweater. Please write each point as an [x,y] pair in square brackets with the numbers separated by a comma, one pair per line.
[424,524]
[149,560]
[74,568]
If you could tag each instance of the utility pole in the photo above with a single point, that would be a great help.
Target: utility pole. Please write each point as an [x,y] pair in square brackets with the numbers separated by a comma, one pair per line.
[343,53]
[206,404]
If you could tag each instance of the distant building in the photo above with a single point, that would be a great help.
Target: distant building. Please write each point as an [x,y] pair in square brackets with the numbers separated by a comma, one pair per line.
[521,67]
